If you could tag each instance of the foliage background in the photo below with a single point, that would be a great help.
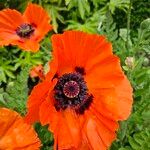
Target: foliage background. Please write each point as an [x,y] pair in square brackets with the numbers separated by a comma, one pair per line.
[126,25]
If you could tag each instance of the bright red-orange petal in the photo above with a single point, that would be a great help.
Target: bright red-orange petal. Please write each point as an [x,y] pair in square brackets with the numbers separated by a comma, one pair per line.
[37,71]
[111,89]
[104,98]
[58,125]
[106,135]
[63,125]
[58,48]
[72,121]
[10,19]
[38,95]
[125,100]
[77,48]
[15,133]
[49,115]
[64,138]
[27,44]
[7,38]
[98,131]
[93,137]
[105,120]
[36,15]
[114,103]
[104,74]
[85,145]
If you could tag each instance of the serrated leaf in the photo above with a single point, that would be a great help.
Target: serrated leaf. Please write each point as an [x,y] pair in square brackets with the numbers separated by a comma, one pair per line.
[16,94]
[133,143]
[141,140]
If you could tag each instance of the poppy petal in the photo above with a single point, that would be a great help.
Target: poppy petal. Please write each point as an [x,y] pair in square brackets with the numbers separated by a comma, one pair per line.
[93,136]
[106,133]
[38,95]
[7,38]
[108,73]
[77,48]
[73,125]
[27,44]
[10,19]
[37,71]
[105,120]
[113,89]
[124,96]
[15,133]
[38,17]
[104,103]
[114,103]
[49,115]
[63,133]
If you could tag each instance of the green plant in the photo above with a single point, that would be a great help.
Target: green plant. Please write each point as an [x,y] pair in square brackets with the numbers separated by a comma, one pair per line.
[16,93]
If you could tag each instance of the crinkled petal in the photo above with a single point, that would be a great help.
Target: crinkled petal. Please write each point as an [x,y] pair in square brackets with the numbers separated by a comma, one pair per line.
[36,15]
[92,134]
[77,48]
[65,125]
[73,124]
[10,19]
[97,131]
[27,44]
[49,115]
[36,98]
[15,133]
[111,90]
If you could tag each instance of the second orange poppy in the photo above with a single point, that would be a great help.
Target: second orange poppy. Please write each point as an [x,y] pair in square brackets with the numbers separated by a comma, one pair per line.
[25,31]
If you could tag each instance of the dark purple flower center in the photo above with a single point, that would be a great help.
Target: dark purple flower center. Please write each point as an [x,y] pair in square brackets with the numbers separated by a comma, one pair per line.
[71,91]
[25,30]
[80,70]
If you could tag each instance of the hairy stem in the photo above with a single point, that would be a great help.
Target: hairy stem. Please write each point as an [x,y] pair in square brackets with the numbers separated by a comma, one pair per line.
[128,26]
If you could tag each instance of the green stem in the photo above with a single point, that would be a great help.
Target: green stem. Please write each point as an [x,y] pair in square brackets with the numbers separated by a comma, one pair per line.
[128,26]
[28,57]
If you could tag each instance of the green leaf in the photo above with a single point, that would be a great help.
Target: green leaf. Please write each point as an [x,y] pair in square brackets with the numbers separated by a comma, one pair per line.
[16,93]
[83,6]
[67,2]
[141,140]
[56,15]
[45,136]
[6,70]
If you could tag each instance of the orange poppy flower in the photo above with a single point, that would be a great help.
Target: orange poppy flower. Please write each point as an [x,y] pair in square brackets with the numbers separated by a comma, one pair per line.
[25,30]
[84,95]
[37,71]
[15,134]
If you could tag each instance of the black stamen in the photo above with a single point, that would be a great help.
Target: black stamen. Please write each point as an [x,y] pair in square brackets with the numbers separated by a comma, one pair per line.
[55,76]
[80,70]
[84,105]
[25,30]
